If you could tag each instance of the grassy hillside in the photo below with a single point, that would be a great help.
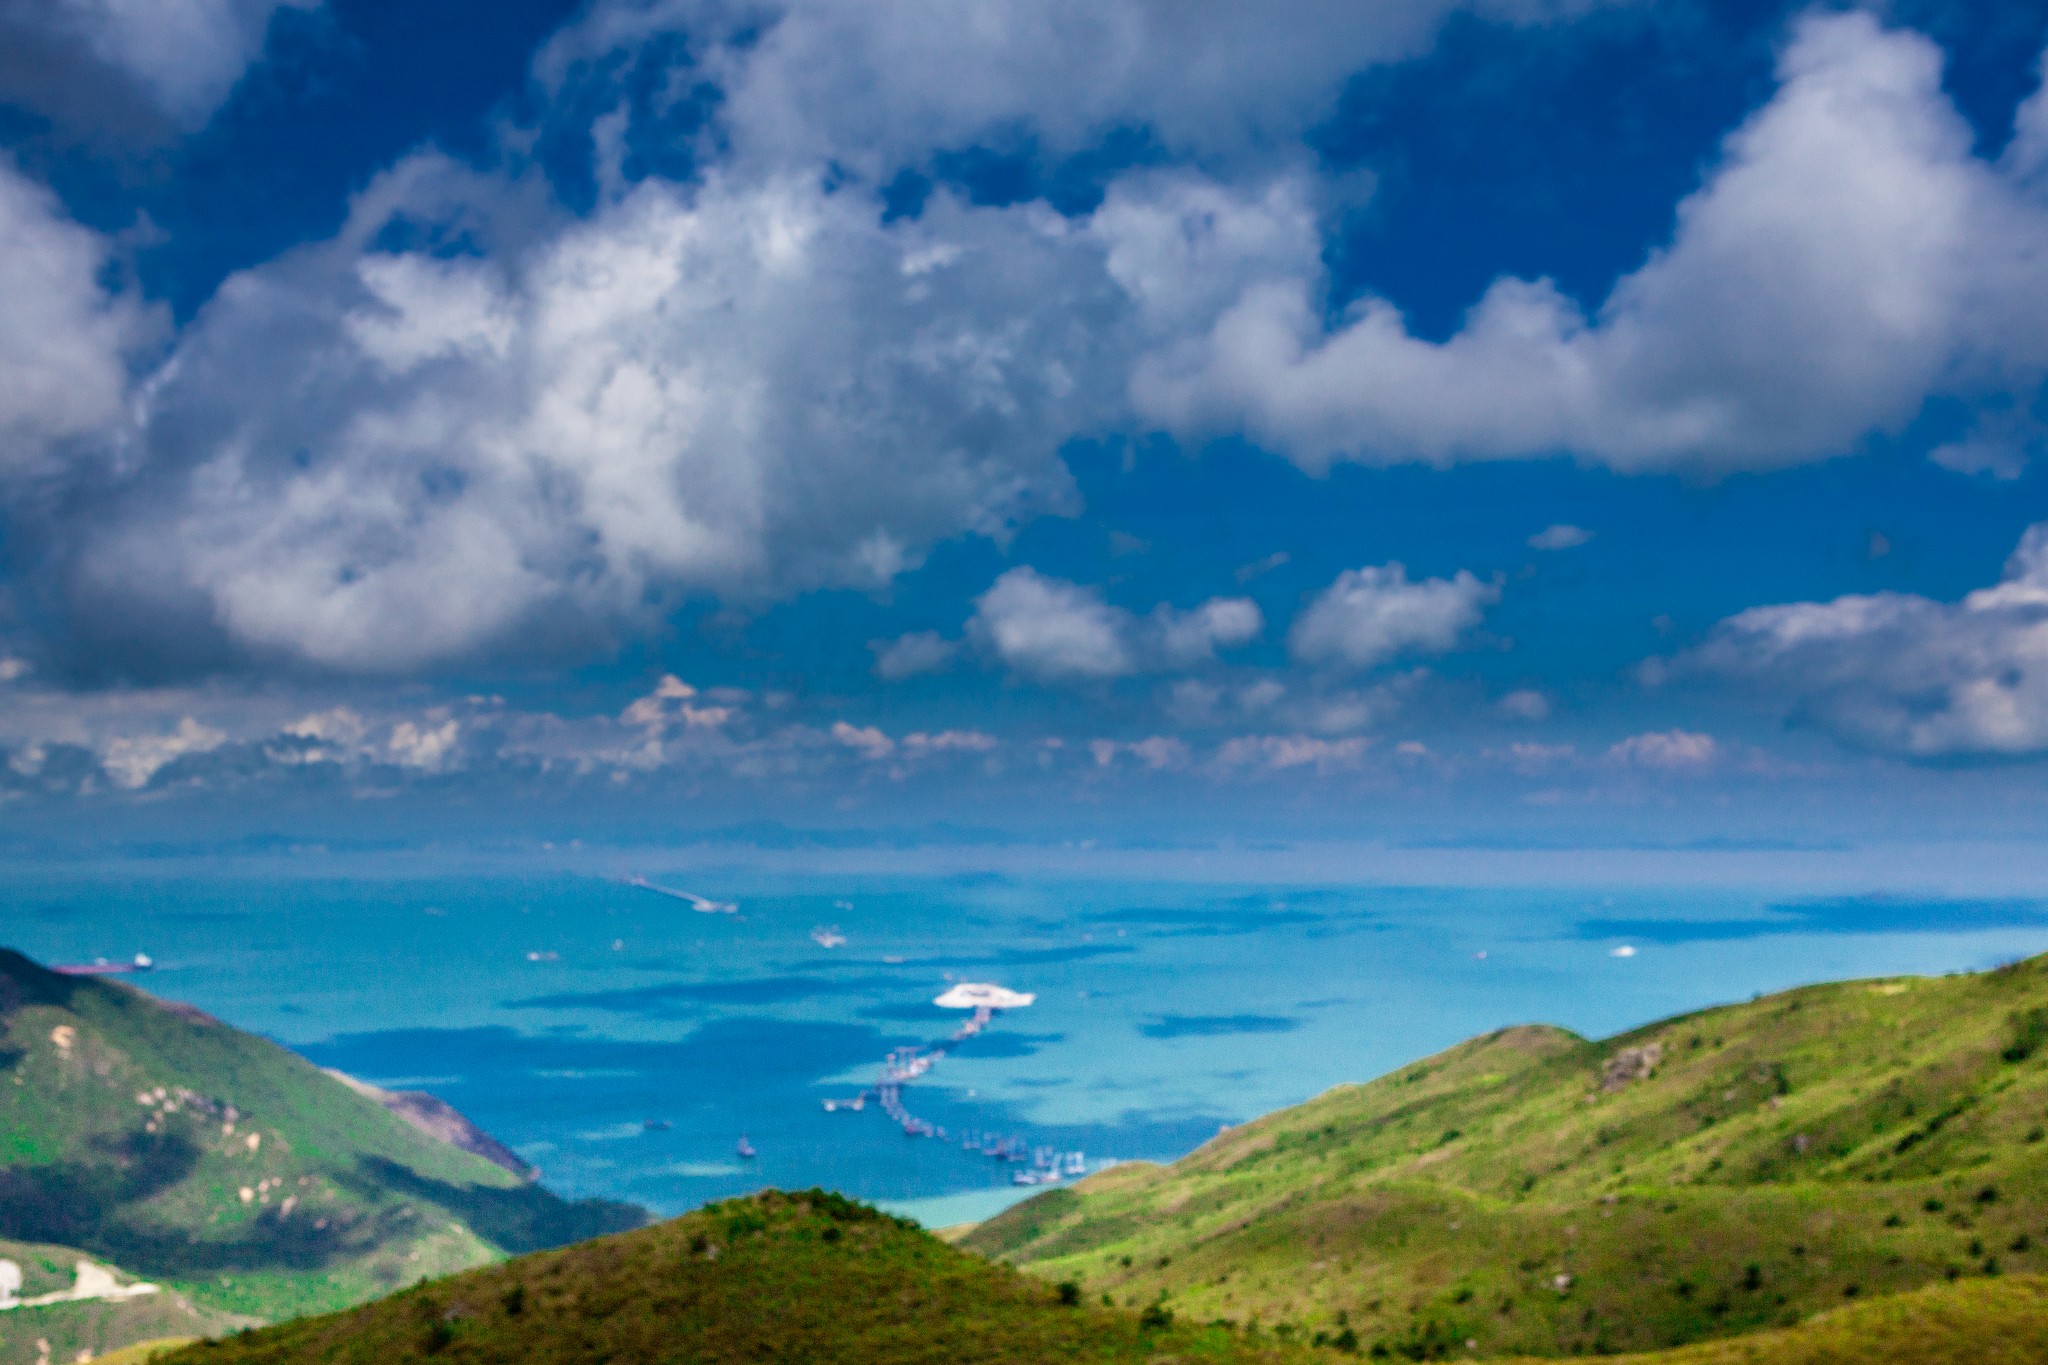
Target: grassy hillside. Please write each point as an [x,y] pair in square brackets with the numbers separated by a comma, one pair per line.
[815,1278]
[791,1278]
[1971,1322]
[1530,1191]
[188,1153]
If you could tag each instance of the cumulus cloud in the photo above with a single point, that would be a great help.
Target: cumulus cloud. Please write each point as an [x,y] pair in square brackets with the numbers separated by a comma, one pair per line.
[1848,257]
[179,57]
[1373,614]
[875,83]
[673,703]
[1155,752]
[1903,673]
[1055,631]
[378,460]
[1191,637]
[1278,753]
[866,740]
[1052,630]
[1560,537]
[132,760]
[65,338]
[1524,704]
[1671,750]
[906,656]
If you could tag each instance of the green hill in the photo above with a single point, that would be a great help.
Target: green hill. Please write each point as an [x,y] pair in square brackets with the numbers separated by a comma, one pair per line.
[1533,1192]
[792,1278]
[813,1279]
[148,1136]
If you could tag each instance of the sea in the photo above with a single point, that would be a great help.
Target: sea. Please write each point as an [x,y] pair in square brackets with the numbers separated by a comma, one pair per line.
[626,1042]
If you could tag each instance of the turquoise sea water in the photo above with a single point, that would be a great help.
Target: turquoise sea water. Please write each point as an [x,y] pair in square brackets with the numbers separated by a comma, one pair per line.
[565,1012]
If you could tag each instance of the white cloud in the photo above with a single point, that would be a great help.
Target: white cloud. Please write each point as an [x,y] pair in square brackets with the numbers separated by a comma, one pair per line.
[339,725]
[1848,257]
[132,69]
[1524,704]
[132,760]
[673,703]
[950,742]
[867,740]
[64,338]
[187,54]
[1560,537]
[1055,631]
[1052,630]
[922,651]
[1277,753]
[875,83]
[1190,637]
[1671,750]
[1156,753]
[1372,614]
[387,461]
[426,745]
[1903,673]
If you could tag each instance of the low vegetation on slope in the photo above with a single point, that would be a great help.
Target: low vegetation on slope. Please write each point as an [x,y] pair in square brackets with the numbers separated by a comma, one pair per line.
[160,1141]
[816,1278]
[796,1278]
[1974,1322]
[1530,1191]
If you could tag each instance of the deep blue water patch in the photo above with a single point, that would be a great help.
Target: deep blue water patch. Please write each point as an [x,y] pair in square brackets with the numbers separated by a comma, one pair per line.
[1202,922]
[1020,957]
[1216,1025]
[665,1000]
[1837,915]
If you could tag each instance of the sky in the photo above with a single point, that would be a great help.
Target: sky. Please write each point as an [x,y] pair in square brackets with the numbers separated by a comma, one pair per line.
[1449,423]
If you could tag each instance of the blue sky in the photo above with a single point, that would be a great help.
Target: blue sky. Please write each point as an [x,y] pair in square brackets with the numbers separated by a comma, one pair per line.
[1479,420]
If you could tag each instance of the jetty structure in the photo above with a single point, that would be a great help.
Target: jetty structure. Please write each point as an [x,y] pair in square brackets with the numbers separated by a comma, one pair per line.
[983,1001]
[703,905]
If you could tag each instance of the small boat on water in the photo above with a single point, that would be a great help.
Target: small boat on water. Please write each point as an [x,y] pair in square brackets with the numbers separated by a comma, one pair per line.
[745,1149]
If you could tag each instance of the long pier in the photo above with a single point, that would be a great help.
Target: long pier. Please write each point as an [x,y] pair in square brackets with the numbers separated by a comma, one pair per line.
[904,1065]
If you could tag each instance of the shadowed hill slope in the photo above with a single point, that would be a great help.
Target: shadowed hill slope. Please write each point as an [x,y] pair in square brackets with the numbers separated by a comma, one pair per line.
[1532,1191]
[794,1278]
[159,1140]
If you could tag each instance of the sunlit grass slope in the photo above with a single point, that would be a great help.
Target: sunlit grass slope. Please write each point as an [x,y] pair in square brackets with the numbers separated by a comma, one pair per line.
[1530,1191]
[790,1278]
[1972,1322]
[185,1152]
[812,1279]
